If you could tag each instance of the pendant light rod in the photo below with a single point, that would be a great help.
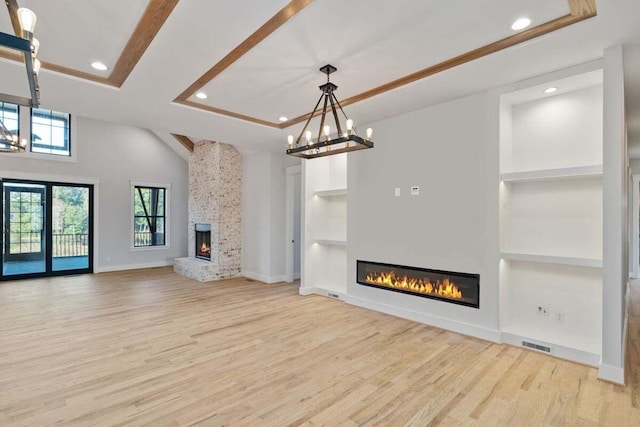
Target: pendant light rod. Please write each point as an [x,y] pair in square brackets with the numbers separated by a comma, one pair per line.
[23,22]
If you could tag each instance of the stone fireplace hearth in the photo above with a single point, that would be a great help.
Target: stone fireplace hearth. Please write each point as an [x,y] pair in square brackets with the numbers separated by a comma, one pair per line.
[215,199]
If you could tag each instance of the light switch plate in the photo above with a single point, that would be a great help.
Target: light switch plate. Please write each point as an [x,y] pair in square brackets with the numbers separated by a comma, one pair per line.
[415,191]
[397,191]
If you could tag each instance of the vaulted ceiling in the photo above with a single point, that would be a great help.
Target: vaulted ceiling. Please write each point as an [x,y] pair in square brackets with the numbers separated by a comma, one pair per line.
[259,60]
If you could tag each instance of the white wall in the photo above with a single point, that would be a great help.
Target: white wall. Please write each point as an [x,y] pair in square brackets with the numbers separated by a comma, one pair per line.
[113,155]
[263,220]
[558,131]
[256,226]
[446,150]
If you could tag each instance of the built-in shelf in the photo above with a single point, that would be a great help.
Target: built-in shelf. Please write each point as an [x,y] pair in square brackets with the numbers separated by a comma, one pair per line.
[330,242]
[553,174]
[550,259]
[331,193]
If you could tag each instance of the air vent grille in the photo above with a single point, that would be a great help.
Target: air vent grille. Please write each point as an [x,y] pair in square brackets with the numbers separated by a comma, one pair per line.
[536,346]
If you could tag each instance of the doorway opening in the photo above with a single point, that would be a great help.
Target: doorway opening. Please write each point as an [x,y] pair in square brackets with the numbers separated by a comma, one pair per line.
[293,236]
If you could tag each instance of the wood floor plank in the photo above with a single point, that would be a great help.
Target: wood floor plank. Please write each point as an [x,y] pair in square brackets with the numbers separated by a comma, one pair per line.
[150,347]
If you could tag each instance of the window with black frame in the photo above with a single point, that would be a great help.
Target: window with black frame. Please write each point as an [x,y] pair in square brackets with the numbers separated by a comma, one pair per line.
[10,116]
[149,222]
[50,132]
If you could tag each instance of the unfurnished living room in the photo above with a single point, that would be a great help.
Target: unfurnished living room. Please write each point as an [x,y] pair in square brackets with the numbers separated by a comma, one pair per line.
[320,212]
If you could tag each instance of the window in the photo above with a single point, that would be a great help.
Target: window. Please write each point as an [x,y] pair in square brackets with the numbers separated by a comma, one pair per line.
[10,116]
[50,132]
[149,216]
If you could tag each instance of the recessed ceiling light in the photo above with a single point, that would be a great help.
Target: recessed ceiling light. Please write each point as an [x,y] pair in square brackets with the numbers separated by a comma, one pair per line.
[99,66]
[283,119]
[550,89]
[201,95]
[521,24]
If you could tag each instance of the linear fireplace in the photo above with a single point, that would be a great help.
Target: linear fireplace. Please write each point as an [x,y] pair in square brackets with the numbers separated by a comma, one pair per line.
[456,288]
[203,241]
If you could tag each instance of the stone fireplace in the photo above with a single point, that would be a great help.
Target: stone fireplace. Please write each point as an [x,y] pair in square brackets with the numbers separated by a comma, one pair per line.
[215,201]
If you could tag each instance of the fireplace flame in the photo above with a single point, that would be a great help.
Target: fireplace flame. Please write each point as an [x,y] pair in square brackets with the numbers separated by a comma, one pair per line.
[446,288]
[205,250]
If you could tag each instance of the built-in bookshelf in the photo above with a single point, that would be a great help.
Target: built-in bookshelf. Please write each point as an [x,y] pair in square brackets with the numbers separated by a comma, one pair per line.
[325,219]
[551,219]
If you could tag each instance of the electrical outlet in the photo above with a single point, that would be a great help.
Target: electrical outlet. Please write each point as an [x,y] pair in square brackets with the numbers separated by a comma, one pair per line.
[560,317]
[415,191]
[543,311]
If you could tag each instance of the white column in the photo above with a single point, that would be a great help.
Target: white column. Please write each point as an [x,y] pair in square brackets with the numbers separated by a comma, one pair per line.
[615,245]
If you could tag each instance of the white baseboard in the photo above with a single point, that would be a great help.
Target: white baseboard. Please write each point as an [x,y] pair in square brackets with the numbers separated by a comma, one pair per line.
[560,351]
[439,322]
[612,374]
[263,277]
[322,292]
[108,268]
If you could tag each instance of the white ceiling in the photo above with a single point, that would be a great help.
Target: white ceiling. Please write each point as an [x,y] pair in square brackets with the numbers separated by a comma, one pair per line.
[370,41]
[92,30]
[562,85]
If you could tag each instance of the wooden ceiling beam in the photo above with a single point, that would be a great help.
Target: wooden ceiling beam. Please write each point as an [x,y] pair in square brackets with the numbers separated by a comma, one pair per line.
[12,7]
[154,17]
[185,141]
[583,8]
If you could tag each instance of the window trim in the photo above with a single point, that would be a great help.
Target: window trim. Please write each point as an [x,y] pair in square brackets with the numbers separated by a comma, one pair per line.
[167,215]
[32,144]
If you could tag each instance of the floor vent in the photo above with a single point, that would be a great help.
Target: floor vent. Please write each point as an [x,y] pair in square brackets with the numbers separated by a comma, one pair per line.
[536,346]
[336,296]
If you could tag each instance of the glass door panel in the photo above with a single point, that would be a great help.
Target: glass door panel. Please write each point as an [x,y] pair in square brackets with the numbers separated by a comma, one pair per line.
[70,227]
[24,245]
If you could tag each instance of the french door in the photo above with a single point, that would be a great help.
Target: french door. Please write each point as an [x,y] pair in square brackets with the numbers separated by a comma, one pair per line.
[47,229]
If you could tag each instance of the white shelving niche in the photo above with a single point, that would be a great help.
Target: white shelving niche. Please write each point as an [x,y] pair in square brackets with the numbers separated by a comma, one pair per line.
[551,217]
[325,244]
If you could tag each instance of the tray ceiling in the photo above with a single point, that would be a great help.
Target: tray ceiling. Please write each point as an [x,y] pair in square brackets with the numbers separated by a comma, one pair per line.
[259,60]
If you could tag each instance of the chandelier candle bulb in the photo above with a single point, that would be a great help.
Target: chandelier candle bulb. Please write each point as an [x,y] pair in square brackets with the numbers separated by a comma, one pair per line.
[290,140]
[327,132]
[308,136]
[27,19]
[369,133]
[349,126]
[36,67]
[35,46]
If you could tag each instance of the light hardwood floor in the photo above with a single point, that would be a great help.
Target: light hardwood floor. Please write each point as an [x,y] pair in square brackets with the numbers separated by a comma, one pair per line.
[151,347]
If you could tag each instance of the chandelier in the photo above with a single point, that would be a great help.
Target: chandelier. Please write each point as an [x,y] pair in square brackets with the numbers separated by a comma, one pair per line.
[327,141]
[23,21]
